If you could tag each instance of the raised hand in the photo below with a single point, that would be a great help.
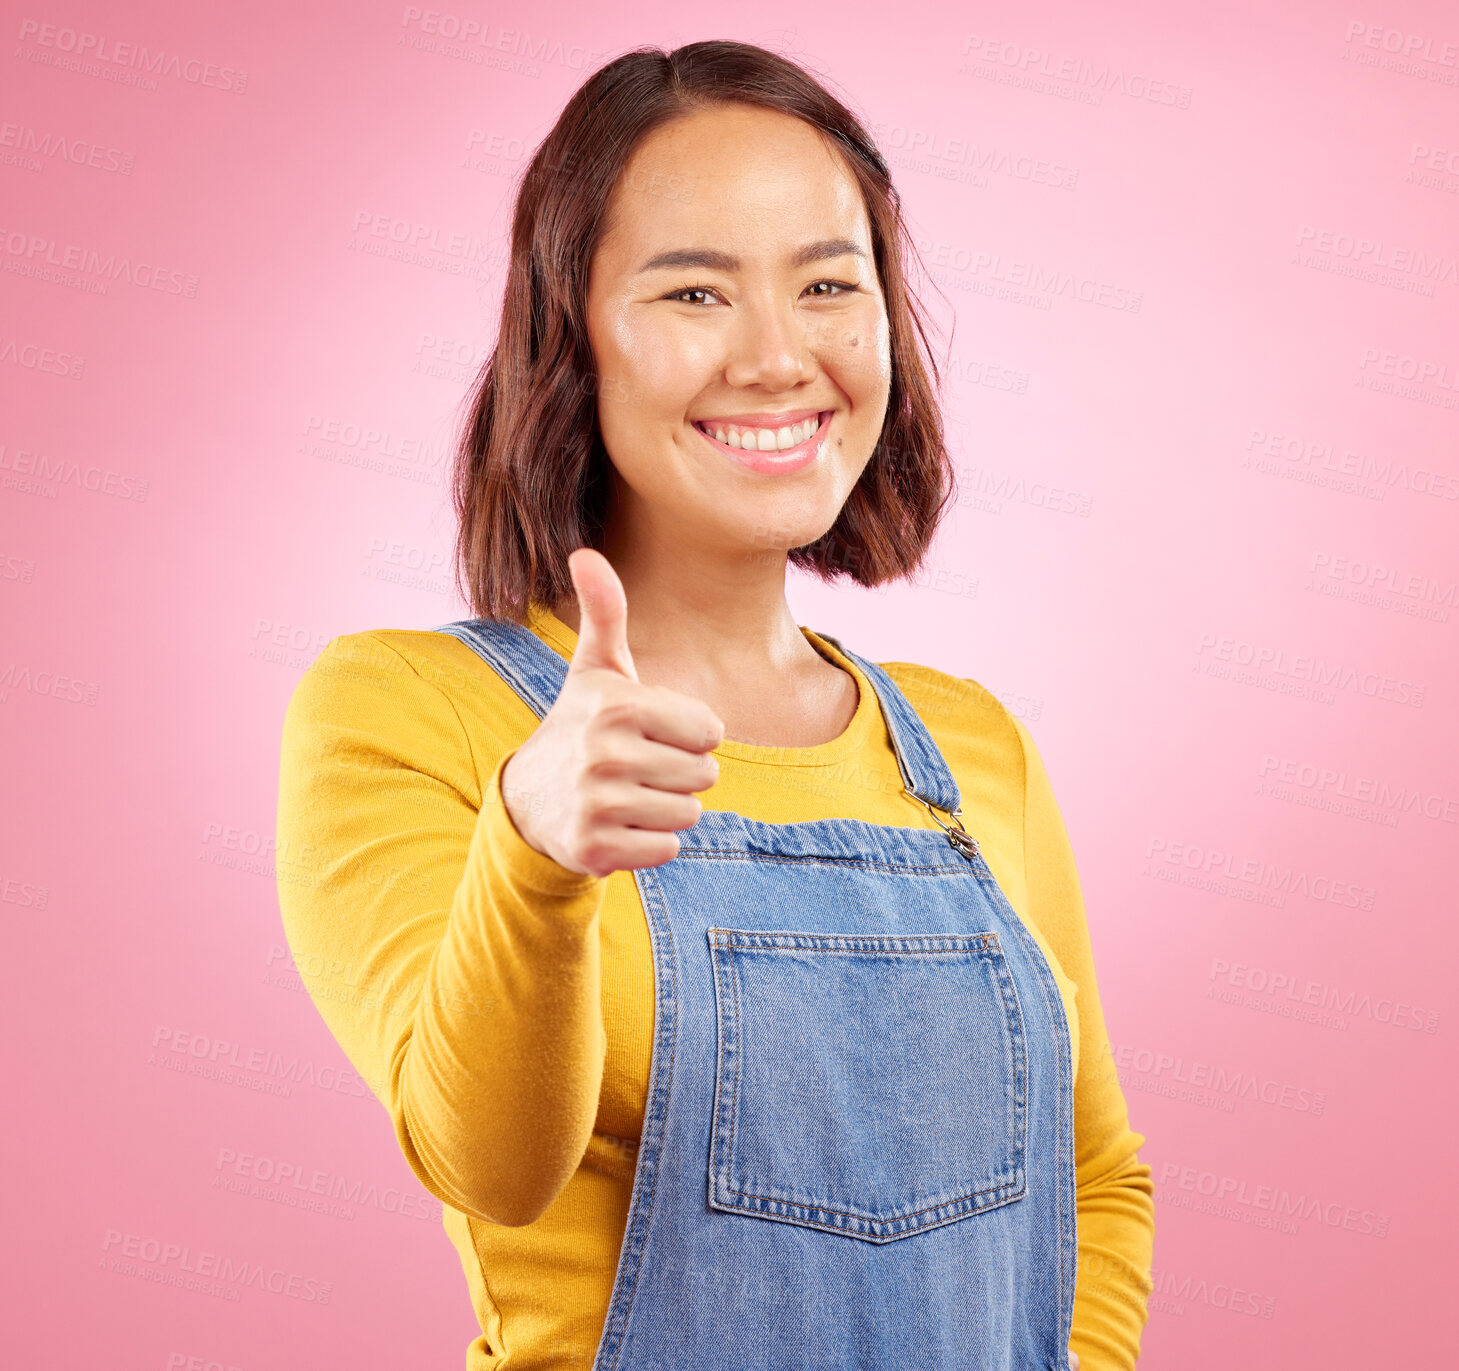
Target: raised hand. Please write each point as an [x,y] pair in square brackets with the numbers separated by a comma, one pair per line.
[608,777]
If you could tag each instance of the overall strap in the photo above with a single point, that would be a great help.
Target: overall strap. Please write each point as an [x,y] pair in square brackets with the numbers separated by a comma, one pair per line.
[517,655]
[537,673]
[925,771]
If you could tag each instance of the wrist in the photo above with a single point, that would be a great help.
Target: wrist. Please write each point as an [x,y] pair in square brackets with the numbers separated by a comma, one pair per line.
[515,813]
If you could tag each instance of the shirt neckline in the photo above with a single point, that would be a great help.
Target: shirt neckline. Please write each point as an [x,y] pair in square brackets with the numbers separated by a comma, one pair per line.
[857,734]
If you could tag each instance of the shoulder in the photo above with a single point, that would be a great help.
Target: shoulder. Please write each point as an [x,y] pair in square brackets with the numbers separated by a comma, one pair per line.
[978,730]
[959,705]
[413,694]
[379,657]
[397,686]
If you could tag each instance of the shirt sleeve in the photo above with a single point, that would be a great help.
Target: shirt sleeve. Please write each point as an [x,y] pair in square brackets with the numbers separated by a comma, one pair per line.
[457,967]
[1116,1195]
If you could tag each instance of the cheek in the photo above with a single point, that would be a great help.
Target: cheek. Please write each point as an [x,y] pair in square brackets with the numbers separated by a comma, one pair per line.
[662,367]
[860,359]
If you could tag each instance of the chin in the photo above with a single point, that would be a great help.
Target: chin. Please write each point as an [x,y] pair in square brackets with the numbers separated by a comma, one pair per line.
[771,531]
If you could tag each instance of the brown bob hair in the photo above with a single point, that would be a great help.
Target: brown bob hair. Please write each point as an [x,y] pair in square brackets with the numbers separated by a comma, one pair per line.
[532,479]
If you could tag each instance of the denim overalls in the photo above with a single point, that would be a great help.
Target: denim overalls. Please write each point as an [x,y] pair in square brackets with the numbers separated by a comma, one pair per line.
[858,1145]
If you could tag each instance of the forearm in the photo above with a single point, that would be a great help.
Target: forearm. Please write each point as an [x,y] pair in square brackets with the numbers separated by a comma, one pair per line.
[495,1085]
[1116,1240]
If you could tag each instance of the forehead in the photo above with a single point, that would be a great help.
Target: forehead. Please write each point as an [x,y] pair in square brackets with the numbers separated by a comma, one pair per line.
[750,181]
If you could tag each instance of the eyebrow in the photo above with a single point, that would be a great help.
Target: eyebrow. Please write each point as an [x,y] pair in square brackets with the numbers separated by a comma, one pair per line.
[723,261]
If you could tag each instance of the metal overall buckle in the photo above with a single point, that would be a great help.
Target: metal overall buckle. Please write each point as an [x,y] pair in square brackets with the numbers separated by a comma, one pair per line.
[959,837]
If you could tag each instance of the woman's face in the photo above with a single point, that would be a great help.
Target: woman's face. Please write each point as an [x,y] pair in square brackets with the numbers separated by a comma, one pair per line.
[740,335]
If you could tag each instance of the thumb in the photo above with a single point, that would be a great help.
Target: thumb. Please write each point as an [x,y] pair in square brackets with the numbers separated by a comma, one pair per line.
[603,615]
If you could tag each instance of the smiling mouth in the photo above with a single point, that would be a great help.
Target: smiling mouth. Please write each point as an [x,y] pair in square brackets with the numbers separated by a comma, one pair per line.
[757,438]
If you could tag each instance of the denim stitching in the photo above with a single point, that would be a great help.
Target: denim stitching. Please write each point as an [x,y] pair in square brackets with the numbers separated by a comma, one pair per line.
[746,940]
[730,940]
[739,1064]
[721,1051]
[653,1131]
[823,859]
[1054,1002]
[799,1222]
[1017,1186]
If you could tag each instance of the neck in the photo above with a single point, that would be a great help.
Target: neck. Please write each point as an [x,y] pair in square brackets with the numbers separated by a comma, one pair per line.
[720,613]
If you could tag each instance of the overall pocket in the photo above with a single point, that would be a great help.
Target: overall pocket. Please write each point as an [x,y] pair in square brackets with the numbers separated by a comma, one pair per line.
[872,1086]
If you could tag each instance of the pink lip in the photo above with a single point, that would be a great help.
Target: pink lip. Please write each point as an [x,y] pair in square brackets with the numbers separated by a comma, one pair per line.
[782,461]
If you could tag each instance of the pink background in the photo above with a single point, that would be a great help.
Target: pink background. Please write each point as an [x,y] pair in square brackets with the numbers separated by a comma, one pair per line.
[1204,395]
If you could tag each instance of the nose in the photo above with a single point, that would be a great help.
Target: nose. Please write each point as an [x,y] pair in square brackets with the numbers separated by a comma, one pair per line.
[769,349]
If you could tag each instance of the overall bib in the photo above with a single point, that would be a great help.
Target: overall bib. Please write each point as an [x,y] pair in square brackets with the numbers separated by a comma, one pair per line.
[858,1144]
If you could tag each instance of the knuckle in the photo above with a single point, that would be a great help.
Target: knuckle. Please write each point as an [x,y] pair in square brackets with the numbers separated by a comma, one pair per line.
[616,712]
[597,804]
[598,855]
[606,757]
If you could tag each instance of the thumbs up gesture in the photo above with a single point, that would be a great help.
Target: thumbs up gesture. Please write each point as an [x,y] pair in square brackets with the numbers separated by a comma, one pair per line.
[608,778]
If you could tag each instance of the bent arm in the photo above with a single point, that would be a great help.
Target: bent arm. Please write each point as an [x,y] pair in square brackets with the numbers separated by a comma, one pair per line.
[457,967]
[1116,1195]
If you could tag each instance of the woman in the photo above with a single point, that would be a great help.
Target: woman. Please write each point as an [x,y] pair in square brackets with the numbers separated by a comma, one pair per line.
[686,988]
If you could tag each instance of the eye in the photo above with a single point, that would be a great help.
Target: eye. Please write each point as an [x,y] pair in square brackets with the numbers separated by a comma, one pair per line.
[678,295]
[826,294]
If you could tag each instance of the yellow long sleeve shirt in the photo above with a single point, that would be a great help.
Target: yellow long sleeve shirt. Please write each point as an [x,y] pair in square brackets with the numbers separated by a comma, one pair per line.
[501,1006]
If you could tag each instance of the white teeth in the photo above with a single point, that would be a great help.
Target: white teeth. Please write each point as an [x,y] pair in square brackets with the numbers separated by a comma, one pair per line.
[762,439]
